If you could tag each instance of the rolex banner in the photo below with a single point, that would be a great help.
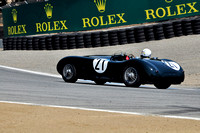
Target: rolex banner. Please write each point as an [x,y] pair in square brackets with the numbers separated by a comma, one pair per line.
[55,16]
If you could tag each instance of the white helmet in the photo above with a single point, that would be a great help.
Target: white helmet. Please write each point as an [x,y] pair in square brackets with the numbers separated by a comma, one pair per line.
[146,53]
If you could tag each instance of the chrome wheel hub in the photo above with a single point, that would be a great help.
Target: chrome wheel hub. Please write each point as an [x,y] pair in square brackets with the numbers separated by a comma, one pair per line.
[67,71]
[130,75]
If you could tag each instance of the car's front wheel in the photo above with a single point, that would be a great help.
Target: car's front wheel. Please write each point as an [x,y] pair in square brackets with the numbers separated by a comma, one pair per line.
[69,73]
[131,77]
[162,85]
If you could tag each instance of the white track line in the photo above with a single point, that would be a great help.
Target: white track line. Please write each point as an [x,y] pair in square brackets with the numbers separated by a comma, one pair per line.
[79,108]
[101,110]
[32,72]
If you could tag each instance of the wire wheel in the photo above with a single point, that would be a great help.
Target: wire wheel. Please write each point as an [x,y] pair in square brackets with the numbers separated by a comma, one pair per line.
[69,73]
[131,77]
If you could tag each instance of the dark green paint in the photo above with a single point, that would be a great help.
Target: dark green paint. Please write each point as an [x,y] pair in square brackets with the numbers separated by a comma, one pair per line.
[74,10]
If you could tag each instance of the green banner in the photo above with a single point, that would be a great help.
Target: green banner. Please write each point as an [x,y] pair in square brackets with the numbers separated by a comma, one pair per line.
[79,15]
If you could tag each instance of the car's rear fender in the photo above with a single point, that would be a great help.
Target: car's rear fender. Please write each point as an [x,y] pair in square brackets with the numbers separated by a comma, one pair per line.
[74,60]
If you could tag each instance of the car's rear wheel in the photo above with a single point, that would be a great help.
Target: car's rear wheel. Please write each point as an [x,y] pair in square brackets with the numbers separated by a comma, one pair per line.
[100,82]
[69,73]
[162,85]
[131,77]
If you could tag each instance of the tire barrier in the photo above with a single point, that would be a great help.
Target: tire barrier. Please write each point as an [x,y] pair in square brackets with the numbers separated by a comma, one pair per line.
[104,39]
[122,37]
[29,45]
[113,37]
[168,30]
[19,43]
[162,30]
[1,32]
[49,43]
[139,35]
[5,43]
[36,43]
[178,31]
[79,41]
[158,32]
[87,40]
[9,43]
[24,43]
[187,27]
[55,42]
[130,35]
[71,41]
[42,43]
[196,26]
[149,34]
[96,40]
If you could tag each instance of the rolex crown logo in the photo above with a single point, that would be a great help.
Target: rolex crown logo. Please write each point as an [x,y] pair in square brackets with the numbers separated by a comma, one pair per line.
[14,14]
[101,5]
[168,1]
[49,10]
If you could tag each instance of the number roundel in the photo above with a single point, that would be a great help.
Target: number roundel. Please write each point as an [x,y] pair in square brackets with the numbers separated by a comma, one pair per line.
[100,65]
[172,65]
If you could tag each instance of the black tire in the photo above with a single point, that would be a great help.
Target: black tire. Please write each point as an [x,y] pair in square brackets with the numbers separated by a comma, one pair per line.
[187,27]
[178,30]
[130,35]
[42,45]
[87,40]
[100,82]
[122,36]
[113,38]
[48,41]
[24,43]
[149,34]
[5,43]
[158,32]
[19,43]
[139,35]
[131,77]
[162,85]
[71,41]
[79,41]
[14,43]
[104,39]
[96,40]
[69,73]
[72,46]
[29,45]
[56,42]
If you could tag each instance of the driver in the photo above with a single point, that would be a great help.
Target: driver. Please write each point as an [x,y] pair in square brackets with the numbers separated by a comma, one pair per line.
[146,53]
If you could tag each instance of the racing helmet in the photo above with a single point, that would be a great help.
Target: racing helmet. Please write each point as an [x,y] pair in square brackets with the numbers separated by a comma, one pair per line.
[146,53]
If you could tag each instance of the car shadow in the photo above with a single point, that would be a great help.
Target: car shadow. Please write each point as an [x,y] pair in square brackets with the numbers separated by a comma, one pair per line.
[108,84]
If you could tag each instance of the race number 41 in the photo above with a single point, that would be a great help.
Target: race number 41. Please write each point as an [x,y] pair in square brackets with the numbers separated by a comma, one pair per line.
[100,65]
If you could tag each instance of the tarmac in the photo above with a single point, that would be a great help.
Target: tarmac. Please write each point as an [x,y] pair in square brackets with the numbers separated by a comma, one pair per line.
[33,119]
[184,50]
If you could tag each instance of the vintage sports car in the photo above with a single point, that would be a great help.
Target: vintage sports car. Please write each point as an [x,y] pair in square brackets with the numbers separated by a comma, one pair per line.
[127,69]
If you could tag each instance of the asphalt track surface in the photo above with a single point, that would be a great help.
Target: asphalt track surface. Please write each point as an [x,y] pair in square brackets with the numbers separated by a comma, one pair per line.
[17,86]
